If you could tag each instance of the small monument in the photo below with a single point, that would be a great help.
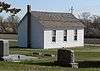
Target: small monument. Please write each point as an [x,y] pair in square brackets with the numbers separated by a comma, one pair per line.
[4,48]
[66,57]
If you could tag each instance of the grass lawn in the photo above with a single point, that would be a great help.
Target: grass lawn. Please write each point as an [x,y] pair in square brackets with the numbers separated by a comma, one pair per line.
[88,57]
[6,66]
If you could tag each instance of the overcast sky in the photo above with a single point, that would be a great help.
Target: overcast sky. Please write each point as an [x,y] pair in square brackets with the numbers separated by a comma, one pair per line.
[92,6]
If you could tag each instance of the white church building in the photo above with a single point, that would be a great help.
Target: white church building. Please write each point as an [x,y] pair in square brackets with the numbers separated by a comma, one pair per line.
[50,30]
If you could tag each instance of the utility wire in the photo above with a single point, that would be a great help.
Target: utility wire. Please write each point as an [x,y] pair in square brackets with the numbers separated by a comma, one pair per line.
[66,5]
[14,3]
[27,2]
[4,0]
[70,5]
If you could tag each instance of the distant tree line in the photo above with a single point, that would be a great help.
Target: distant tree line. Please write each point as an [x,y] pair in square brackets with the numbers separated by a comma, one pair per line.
[92,24]
[9,25]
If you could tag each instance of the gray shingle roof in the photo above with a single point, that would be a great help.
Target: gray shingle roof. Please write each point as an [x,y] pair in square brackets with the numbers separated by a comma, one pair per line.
[55,20]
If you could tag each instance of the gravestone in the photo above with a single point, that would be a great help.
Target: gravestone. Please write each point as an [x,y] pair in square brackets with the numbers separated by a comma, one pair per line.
[4,48]
[66,57]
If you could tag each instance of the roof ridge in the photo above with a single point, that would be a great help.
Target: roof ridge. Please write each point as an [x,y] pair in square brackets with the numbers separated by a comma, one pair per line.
[50,12]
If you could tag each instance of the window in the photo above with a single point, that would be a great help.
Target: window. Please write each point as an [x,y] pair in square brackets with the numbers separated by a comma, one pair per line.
[65,35]
[75,34]
[54,36]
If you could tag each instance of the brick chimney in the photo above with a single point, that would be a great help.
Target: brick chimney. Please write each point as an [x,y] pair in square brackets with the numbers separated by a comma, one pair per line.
[28,26]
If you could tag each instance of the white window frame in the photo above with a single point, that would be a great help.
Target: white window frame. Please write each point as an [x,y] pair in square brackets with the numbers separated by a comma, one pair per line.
[65,36]
[75,35]
[53,35]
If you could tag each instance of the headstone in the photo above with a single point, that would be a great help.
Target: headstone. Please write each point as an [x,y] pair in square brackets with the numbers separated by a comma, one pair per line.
[66,57]
[4,48]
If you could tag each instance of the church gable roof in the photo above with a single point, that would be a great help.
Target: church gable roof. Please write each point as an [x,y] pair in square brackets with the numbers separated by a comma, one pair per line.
[54,20]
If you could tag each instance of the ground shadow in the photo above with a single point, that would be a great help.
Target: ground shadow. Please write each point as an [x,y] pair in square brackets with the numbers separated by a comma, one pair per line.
[45,63]
[88,64]
[55,63]
[81,64]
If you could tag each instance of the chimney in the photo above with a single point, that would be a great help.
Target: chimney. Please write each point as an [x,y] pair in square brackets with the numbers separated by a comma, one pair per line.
[28,26]
[28,8]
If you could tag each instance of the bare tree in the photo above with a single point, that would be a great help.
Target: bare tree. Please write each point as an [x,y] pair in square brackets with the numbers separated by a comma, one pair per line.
[12,23]
[97,22]
[86,15]
[2,25]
